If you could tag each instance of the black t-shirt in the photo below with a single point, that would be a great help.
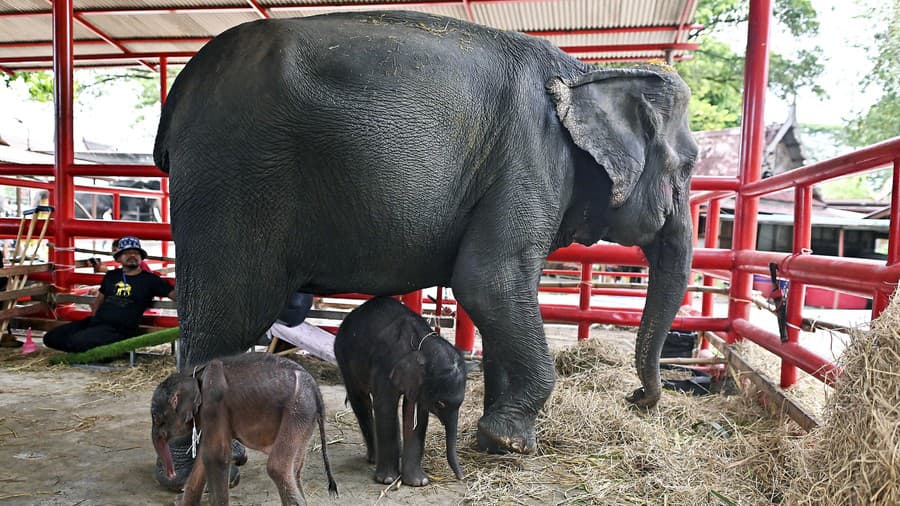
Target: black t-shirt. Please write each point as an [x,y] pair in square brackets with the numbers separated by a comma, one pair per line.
[125,298]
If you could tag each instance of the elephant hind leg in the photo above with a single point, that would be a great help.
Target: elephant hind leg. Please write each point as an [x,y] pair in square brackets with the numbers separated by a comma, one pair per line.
[287,456]
[361,403]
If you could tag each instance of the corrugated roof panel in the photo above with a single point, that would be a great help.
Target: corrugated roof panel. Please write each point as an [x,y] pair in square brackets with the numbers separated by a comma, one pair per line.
[29,28]
[28,51]
[451,10]
[274,3]
[524,15]
[151,4]
[578,14]
[618,55]
[616,38]
[164,47]
[24,5]
[168,25]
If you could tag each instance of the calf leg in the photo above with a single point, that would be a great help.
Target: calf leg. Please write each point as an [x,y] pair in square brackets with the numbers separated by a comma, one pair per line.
[414,443]
[286,459]
[362,408]
[193,488]
[387,432]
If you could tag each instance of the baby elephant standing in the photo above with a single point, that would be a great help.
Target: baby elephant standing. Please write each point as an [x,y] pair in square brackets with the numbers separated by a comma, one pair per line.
[384,351]
[266,402]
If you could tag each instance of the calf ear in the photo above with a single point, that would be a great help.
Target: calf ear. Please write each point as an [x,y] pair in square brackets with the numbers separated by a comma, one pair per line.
[408,374]
[188,397]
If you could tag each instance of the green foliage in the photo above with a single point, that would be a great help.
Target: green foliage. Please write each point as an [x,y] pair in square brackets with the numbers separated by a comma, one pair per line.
[40,84]
[96,84]
[882,120]
[716,75]
[848,188]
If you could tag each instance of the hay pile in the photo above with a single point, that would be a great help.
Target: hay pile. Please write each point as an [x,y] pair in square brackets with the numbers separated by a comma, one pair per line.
[595,449]
[854,458]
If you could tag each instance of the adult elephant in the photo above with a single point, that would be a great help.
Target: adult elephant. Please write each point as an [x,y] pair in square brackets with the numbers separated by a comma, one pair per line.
[390,151]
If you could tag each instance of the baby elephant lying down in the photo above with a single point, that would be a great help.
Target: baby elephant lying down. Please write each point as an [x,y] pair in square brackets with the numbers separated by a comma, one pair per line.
[266,402]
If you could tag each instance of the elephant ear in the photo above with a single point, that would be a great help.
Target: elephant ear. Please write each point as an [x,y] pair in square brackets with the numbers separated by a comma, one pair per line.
[608,114]
[408,374]
[186,400]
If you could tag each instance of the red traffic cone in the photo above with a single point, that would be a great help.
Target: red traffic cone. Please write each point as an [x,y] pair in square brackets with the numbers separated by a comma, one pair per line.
[29,346]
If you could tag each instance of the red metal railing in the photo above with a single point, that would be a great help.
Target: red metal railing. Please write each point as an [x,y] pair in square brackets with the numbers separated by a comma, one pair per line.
[867,278]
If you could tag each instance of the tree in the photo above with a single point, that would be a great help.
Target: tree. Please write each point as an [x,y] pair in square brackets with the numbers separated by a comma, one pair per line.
[716,76]
[881,121]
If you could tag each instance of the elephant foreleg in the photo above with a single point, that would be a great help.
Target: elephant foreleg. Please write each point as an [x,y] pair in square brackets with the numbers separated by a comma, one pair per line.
[519,375]
[415,423]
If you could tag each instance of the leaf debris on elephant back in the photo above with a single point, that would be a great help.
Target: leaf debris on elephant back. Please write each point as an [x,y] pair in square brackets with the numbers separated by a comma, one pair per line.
[594,448]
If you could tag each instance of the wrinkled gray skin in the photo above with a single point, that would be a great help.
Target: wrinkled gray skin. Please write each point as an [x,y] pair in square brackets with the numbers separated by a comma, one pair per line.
[390,151]
[386,351]
[266,402]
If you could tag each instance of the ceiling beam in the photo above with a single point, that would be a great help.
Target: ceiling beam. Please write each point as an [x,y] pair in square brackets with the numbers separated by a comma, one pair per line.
[99,33]
[203,40]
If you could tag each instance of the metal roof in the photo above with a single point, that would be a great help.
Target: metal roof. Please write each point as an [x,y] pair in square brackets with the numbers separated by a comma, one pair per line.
[129,32]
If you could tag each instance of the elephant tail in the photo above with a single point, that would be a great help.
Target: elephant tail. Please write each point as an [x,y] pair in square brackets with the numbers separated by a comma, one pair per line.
[320,408]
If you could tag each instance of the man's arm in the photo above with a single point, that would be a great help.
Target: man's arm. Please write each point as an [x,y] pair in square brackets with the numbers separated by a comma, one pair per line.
[97,301]
[171,294]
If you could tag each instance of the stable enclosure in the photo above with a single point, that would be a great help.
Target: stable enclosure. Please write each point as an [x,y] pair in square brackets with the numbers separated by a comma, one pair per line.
[723,274]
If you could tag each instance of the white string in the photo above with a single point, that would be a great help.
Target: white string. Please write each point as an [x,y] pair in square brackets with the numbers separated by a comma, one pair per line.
[195,439]
[426,336]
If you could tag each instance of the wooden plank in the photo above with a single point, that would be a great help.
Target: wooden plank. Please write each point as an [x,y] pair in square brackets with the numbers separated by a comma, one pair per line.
[771,396]
[18,270]
[19,311]
[38,289]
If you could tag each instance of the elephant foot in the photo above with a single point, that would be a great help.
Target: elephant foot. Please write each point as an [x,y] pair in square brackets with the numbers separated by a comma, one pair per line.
[386,477]
[641,399]
[238,453]
[415,478]
[501,434]
[181,458]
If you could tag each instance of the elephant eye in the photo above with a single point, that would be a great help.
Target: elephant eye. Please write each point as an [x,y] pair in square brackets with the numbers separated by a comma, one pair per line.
[441,404]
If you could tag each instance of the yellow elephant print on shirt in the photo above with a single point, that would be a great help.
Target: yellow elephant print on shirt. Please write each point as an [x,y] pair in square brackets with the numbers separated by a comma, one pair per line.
[123,289]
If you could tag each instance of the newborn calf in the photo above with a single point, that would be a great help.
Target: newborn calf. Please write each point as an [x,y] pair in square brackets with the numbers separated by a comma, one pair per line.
[266,402]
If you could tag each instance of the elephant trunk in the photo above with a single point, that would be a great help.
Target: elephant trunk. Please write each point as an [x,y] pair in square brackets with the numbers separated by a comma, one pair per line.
[669,258]
[161,445]
[450,425]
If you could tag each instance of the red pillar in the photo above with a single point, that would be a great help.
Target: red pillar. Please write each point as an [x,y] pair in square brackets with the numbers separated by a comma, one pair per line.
[465,330]
[710,241]
[584,300]
[63,194]
[797,291]
[164,182]
[413,300]
[756,75]
[882,298]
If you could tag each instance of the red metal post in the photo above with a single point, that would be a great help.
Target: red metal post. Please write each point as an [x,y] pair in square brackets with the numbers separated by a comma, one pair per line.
[797,291]
[584,300]
[64,150]
[688,299]
[883,297]
[413,300]
[465,330]
[756,73]
[164,181]
[711,240]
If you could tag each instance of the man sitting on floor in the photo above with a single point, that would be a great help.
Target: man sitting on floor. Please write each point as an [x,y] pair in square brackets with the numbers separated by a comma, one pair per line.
[124,296]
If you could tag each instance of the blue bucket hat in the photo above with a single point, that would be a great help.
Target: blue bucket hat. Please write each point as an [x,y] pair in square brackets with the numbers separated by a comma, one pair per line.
[129,242]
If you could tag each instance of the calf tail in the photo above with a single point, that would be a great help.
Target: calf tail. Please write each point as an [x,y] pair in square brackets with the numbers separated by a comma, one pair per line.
[320,407]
